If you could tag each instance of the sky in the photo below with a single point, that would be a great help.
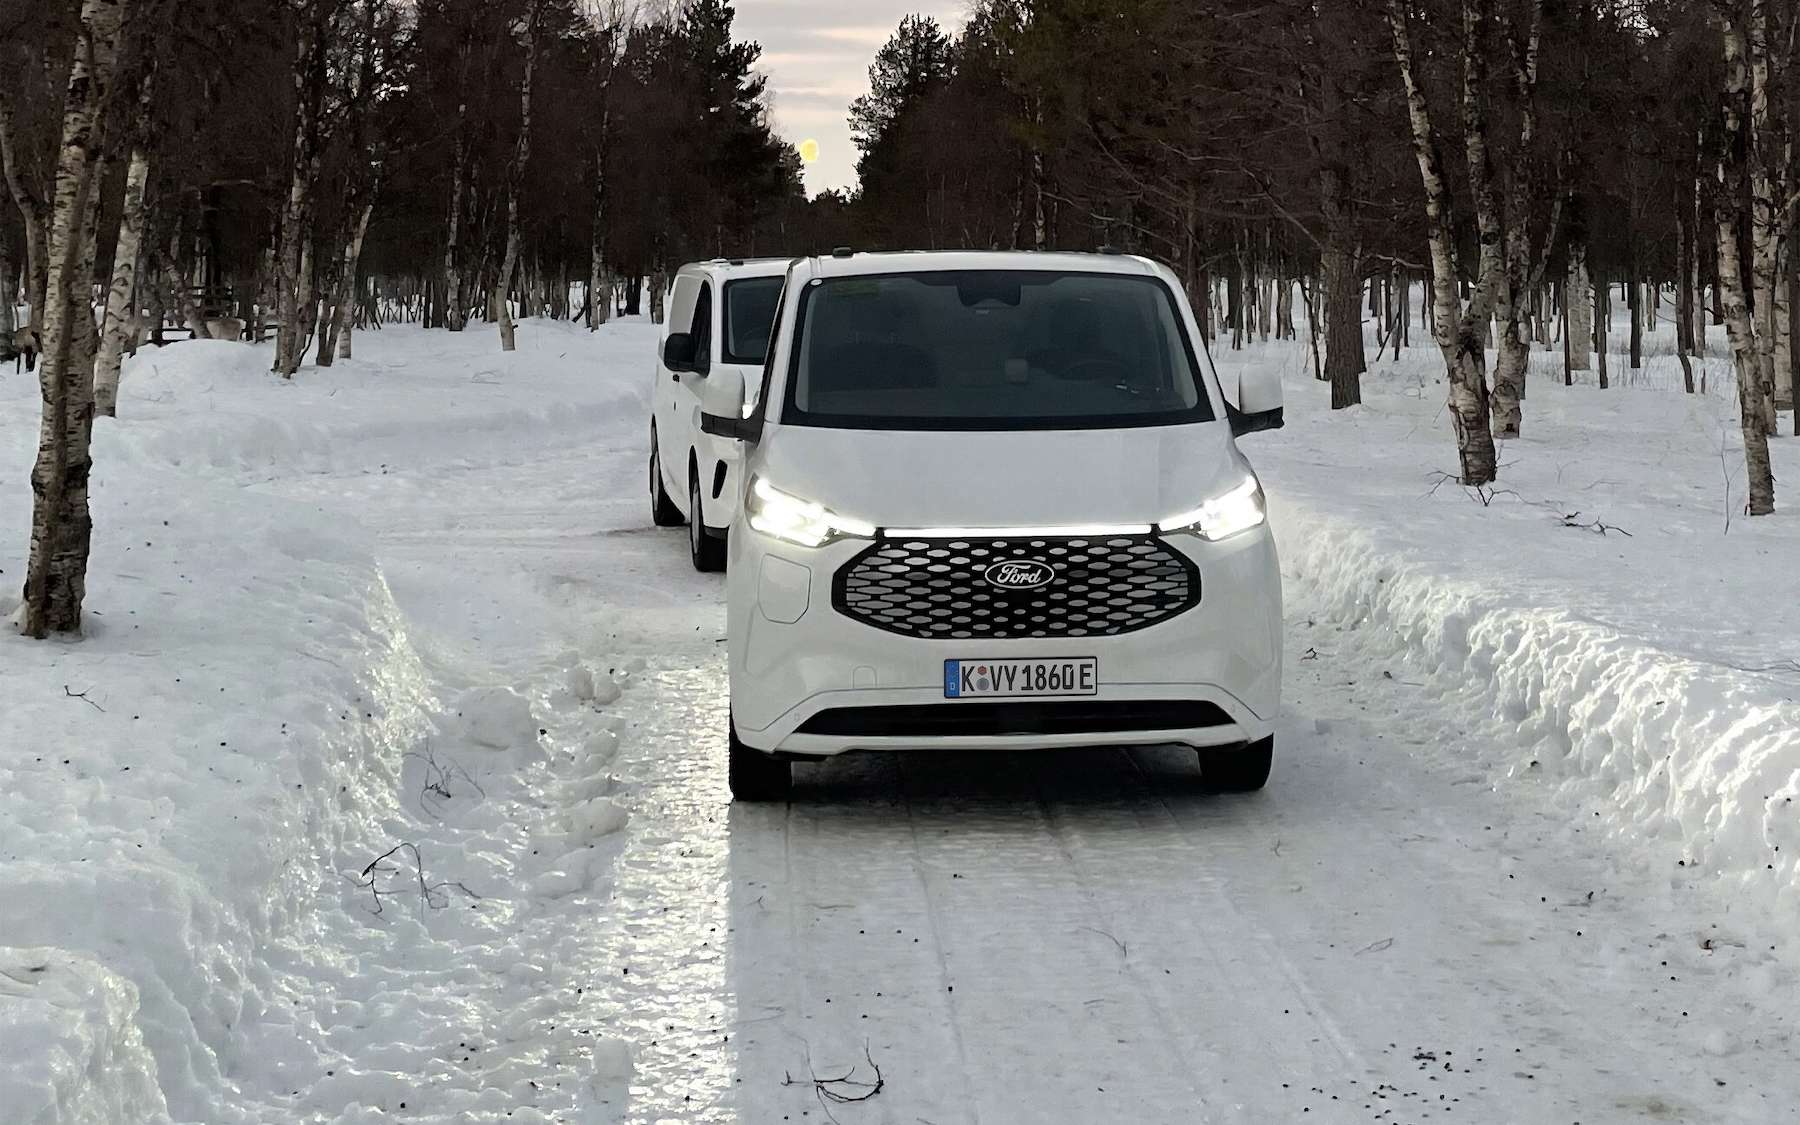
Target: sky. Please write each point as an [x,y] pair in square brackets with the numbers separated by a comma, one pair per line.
[817,55]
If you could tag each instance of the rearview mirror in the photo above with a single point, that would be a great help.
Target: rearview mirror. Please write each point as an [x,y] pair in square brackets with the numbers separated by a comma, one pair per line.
[679,352]
[722,407]
[1259,400]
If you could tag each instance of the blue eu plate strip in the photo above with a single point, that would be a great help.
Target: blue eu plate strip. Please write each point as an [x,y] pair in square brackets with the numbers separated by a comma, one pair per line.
[952,678]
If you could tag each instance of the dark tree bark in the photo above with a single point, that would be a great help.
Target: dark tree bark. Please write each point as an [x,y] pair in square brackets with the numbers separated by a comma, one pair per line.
[61,525]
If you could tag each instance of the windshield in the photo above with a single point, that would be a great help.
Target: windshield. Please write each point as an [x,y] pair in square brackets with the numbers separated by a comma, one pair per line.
[749,313]
[992,350]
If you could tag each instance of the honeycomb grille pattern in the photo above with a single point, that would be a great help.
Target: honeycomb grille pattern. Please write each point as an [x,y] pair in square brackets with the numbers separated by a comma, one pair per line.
[937,588]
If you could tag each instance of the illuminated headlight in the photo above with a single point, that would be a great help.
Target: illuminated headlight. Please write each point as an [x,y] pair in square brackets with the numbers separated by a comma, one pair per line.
[1223,516]
[774,512]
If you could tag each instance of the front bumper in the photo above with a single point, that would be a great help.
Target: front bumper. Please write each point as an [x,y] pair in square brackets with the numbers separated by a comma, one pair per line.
[806,680]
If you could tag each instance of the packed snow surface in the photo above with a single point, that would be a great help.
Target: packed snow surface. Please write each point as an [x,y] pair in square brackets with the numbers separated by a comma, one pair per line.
[387,785]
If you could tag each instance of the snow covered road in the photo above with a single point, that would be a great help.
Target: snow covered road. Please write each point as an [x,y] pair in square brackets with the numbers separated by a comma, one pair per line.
[1406,926]
[1084,936]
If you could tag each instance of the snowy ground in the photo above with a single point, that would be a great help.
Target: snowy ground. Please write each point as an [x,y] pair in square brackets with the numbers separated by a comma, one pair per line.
[1528,854]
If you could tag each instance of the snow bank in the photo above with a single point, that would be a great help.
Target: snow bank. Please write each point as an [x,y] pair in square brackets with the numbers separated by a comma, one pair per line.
[1646,675]
[394,406]
[191,795]
[77,1023]
[1704,757]
[180,789]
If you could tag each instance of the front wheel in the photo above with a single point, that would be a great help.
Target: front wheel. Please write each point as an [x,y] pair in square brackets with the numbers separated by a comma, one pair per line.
[708,551]
[756,776]
[1238,769]
[663,512]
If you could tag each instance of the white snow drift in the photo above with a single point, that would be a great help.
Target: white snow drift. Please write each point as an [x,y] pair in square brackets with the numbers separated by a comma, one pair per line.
[190,795]
[1593,613]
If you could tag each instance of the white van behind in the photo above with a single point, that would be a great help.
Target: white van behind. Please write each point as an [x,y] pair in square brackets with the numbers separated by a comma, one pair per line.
[719,316]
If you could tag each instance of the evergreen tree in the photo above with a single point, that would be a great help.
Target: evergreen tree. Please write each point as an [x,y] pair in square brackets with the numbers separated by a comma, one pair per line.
[915,61]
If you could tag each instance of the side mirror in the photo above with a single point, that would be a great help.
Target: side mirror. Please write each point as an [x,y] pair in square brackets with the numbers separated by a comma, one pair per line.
[1258,401]
[722,407]
[679,352]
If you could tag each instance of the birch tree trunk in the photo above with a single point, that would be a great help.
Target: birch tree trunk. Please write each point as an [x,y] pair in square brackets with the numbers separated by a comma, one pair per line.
[1767,165]
[61,525]
[122,318]
[516,180]
[1602,327]
[1457,330]
[334,337]
[34,215]
[1739,326]
[293,294]
[1577,295]
[1513,351]
[347,326]
[1684,295]
[1784,333]
[8,291]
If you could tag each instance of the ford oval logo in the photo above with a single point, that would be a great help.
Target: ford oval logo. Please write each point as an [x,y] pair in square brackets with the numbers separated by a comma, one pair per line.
[1020,574]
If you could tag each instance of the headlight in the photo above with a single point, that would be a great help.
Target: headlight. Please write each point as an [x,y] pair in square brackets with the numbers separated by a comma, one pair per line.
[1223,516]
[777,513]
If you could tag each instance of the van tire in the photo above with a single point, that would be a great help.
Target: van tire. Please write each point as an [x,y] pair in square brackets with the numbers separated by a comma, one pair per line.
[663,512]
[706,549]
[1238,769]
[755,776]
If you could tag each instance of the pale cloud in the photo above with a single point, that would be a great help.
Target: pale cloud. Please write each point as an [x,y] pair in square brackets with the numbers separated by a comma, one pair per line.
[870,37]
[817,55]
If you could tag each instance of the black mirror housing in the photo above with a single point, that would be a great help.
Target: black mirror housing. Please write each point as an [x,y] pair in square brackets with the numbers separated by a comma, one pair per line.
[1242,423]
[679,352]
[739,429]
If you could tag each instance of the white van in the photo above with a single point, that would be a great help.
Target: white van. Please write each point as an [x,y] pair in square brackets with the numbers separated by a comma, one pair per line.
[993,501]
[718,320]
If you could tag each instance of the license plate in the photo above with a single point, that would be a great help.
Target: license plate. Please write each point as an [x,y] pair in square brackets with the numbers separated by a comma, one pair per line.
[988,679]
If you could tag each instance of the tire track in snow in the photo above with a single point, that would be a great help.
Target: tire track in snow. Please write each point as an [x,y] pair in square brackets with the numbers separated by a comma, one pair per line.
[1042,992]
[1127,829]
[866,906]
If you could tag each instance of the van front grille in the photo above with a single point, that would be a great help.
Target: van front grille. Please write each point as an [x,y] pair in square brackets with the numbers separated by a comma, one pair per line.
[940,588]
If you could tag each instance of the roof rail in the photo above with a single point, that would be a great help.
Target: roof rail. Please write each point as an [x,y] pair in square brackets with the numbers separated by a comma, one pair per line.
[842,252]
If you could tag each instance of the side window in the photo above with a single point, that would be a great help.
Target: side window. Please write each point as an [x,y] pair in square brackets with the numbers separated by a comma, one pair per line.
[703,325]
[681,303]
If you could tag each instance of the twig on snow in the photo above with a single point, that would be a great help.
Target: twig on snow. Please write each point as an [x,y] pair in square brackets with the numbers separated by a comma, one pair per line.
[434,896]
[1123,952]
[1779,667]
[435,789]
[841,1091]
[1598,527]
[83,696]
[1483,494]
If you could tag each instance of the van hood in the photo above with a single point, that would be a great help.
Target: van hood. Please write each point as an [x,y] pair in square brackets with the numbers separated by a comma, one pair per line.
[1024,478]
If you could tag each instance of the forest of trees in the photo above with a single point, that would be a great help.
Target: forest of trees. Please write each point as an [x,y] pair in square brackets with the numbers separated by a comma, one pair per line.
[300,168]
[252,167]
[1519,159]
